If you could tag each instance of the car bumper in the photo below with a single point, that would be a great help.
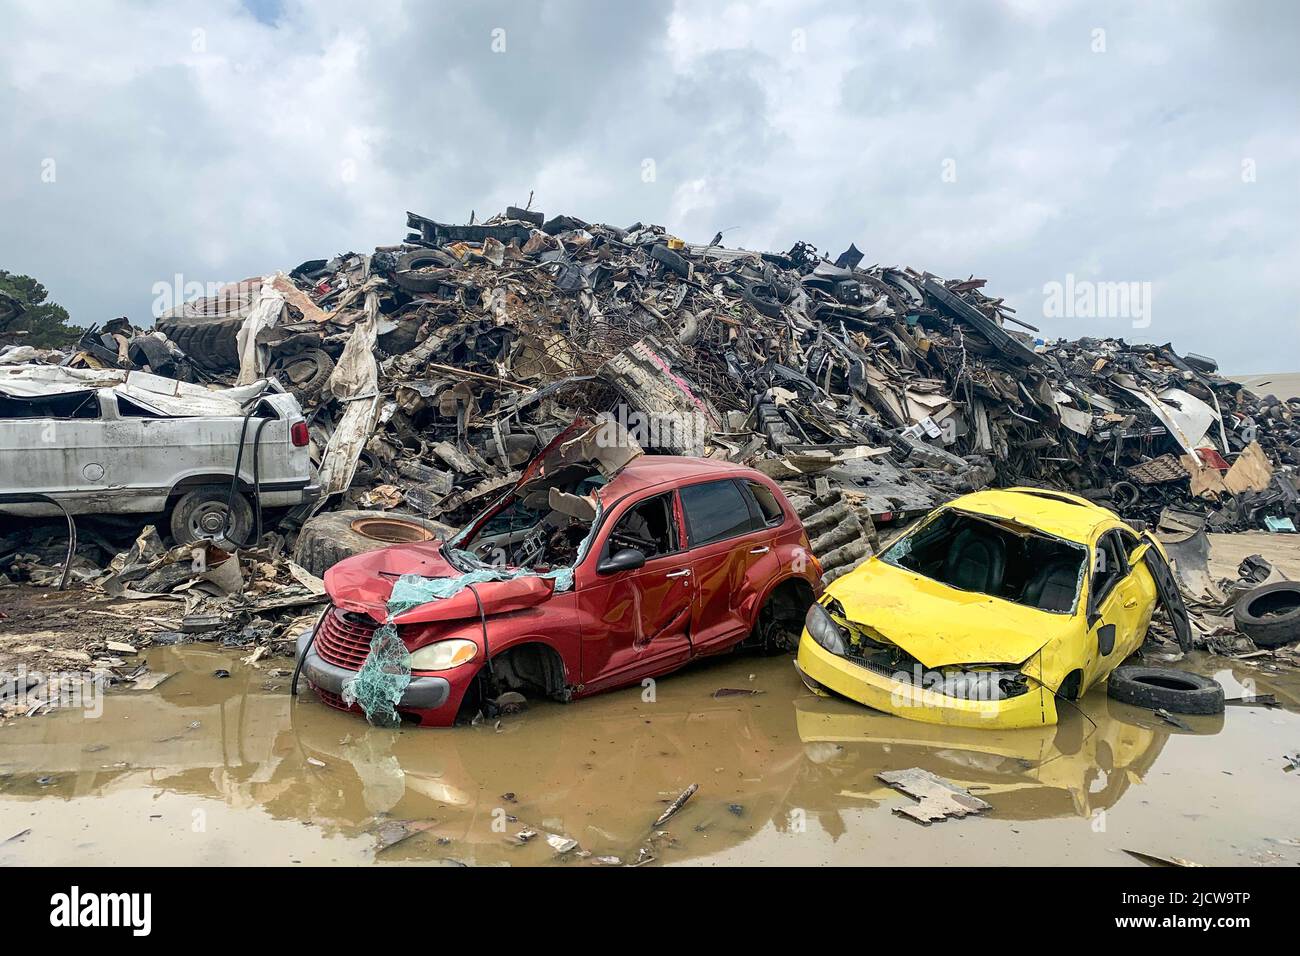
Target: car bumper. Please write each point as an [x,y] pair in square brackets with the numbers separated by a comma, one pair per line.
[1035,708]
[431,700]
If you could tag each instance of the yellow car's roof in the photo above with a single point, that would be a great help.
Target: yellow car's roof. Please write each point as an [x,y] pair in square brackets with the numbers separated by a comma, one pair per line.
[1054,512]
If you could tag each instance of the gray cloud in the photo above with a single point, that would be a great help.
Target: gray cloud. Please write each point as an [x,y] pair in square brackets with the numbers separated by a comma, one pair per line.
[224,140]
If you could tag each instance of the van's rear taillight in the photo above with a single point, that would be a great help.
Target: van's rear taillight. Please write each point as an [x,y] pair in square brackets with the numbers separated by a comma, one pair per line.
[299,435]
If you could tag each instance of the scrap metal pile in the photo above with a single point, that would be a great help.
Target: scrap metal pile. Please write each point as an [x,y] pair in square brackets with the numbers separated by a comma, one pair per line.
[433,368]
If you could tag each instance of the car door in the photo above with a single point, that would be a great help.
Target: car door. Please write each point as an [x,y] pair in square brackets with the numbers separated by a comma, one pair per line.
[1115,606]
[637,623]
[1167,591]
[724,535]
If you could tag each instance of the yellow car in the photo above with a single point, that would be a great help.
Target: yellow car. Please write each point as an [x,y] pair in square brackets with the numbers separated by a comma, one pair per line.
[995,606]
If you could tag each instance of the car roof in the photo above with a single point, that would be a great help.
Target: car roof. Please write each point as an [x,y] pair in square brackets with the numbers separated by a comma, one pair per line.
[646,471]
[1055,512]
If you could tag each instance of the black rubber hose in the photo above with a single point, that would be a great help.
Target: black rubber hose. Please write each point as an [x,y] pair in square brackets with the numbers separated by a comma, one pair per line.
[72,538]
[482,620]
[297,668]
[257,479]
[234,479]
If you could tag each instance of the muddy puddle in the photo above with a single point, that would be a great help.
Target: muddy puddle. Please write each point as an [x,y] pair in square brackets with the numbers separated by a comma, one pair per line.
[205,770]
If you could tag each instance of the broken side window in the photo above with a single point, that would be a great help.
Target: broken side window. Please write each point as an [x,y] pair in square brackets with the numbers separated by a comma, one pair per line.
[130,408]
[1110,566]
[62,405]
[767,503]
[1001,559]
[648,527]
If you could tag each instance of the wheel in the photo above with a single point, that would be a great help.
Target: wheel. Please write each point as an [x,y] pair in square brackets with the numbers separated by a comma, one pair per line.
[780,622]
[1270,614]
[202,514]
[206,330]
[304,373]
[423,270]
[762,298]
[328,538]
[1164,688]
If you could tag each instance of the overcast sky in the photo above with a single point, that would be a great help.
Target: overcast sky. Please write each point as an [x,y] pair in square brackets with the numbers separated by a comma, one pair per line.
[1021,142]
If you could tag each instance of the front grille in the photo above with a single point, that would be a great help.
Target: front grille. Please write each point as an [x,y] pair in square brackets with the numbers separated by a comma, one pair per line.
[343,638]
[333,700]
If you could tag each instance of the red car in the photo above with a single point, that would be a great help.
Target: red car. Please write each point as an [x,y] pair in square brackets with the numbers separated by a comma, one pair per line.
[621,577]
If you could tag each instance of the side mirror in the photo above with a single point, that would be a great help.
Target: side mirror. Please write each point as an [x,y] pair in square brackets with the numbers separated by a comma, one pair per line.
[628,559]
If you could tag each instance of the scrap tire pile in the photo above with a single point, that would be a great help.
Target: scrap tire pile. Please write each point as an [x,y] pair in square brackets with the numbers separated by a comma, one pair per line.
[328,538]
[1270,615]
[1164,688]
[208,340]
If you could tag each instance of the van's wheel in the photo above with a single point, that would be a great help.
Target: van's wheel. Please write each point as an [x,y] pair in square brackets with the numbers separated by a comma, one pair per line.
[1164,688]
[328,538]
[204,512]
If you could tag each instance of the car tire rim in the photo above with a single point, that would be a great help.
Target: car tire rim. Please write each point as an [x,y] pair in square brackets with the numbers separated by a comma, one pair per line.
[208,520]
[391,530]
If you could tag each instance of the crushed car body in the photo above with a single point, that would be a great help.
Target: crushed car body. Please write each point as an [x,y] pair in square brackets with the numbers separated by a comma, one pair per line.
[989,610]
[85,441]
[601,567]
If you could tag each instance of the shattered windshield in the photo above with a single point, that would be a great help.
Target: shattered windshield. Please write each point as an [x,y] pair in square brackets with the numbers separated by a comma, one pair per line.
[999,558]
[541,528]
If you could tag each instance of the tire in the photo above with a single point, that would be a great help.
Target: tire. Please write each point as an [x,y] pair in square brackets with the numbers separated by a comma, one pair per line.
[408,278]
[304,373]
[1165,688]
[328,538]
[207,340]
[1270,614]
[200,514]
[761,297]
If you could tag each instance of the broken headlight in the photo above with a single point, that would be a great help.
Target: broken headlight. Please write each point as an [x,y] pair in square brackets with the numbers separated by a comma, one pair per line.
[443,655]
[825,631]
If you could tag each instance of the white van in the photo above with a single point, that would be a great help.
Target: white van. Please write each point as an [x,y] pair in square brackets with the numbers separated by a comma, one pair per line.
[113,442]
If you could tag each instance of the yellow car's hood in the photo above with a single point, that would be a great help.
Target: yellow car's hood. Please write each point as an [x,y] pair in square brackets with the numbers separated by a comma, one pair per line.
[940,625]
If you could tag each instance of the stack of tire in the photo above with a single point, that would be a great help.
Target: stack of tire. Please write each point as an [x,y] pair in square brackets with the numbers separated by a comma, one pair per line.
[842,536]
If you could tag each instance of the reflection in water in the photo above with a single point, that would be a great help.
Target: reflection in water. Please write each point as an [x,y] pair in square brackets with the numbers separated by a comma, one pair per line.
[1084,763]
[599,772]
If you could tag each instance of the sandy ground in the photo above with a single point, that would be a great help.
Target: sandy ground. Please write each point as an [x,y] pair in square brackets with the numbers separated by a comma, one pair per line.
[1282,384]
[210,770]
[1228,550]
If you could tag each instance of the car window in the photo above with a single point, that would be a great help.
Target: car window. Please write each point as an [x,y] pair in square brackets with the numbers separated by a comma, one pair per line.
[715,511]
[648,527]
[767,503]
[62,405]
[1109,567]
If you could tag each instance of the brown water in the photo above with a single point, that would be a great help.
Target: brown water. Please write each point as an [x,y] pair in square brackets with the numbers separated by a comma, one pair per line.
[220,771]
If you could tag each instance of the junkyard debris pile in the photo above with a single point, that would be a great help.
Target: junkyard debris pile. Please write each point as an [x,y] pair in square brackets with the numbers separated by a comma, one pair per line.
[430,370]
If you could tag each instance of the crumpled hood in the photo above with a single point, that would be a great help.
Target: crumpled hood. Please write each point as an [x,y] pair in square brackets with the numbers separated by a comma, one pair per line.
[364,582]
[940,625]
